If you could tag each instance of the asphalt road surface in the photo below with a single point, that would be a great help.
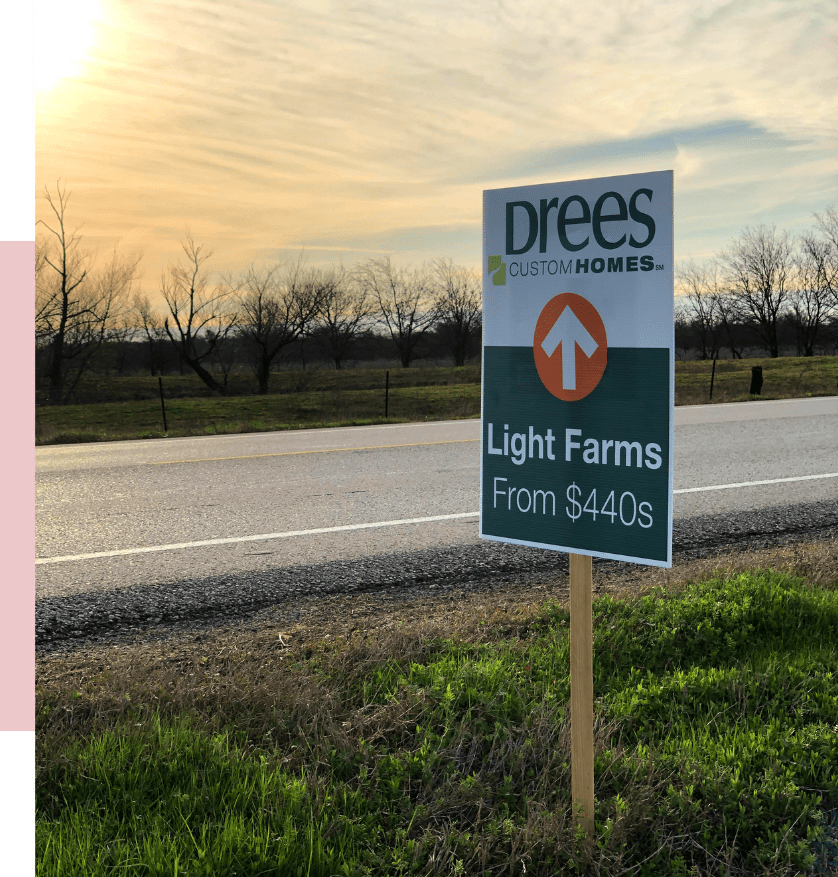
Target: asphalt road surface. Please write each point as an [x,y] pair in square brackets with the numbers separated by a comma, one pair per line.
[101,507]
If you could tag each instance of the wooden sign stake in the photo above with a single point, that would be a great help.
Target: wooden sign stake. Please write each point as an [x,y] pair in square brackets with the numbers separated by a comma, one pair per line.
[582,691]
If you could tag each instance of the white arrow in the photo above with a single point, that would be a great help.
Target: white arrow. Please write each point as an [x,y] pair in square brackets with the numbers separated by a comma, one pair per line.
[569,331]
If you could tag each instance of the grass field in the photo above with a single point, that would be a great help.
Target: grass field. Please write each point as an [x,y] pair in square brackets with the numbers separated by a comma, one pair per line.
[352,397]
[133,388]
[786,377]
[440,751]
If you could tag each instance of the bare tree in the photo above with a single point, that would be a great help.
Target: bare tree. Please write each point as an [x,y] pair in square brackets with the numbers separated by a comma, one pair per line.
[827,229]
[345,311]
[113,288]
[200,317]
[683,327]
[278,306]
[699,287]
[225,353]
[758,267]
[77,309]
[458,306]
[731,322]
[46,299]
[828,225]
[403,299]
[812,296]
[151,325]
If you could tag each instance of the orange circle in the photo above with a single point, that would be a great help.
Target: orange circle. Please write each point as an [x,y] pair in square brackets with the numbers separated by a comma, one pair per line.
[589,370]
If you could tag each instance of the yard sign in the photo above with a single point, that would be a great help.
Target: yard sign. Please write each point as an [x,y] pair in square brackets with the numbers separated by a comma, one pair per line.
[578,367]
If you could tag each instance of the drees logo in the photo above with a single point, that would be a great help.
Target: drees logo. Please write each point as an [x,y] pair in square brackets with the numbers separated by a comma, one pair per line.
[575,211]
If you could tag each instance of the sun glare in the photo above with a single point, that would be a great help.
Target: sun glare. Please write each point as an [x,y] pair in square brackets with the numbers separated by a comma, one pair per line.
[64,33]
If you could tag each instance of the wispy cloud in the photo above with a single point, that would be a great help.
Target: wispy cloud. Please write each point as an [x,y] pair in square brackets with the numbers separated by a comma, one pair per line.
[725,136]
[374,126]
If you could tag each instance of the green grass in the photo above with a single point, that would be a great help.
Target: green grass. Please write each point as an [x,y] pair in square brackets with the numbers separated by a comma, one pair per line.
[95,387]
[354,397]
[786,377]
[110,421]
[350,397]
[716,733]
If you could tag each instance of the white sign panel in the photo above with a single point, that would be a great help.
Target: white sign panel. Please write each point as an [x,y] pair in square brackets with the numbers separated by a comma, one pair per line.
[578,367]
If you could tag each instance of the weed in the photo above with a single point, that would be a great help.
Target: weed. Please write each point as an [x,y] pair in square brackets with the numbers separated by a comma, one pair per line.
[421,752]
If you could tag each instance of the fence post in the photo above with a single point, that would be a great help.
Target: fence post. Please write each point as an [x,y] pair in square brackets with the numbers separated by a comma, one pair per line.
[712,377]
[756,380]
[386,395]
[163,405]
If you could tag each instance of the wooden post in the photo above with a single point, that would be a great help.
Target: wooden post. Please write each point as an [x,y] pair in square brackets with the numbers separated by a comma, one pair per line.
[386,394]
[712,377]
[163,405]
[756,381]
[582,691]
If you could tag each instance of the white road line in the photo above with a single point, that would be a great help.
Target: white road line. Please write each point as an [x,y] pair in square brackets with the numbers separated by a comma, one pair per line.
[124,551]
[348,527]
[755,483]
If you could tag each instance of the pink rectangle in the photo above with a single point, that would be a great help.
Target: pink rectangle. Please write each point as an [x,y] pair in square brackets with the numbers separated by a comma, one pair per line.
[17,509]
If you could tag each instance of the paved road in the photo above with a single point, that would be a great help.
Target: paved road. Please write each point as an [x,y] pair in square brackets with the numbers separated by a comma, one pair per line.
[124,496]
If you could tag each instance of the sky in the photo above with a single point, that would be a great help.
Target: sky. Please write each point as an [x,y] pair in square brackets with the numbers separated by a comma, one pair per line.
[365,128]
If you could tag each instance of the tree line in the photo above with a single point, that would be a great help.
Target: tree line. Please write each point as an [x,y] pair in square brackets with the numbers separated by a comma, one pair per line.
[767,291]
[214,325]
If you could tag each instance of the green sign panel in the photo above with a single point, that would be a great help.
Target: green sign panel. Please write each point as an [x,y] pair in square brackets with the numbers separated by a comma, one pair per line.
[578,367]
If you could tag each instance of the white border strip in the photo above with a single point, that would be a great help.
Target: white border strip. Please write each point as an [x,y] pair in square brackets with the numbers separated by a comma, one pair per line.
[17,801]
[350,527]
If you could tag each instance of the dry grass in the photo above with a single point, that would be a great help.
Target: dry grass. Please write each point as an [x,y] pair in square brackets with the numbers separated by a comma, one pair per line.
[366,630]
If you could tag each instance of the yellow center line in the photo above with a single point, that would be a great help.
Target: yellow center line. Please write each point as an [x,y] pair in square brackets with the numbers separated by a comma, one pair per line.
[320,451]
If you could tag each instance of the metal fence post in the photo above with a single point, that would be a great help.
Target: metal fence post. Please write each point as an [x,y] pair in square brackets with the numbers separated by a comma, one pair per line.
[163,404]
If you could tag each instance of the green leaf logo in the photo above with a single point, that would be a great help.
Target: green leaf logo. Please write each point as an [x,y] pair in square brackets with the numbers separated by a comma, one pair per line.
[498,271]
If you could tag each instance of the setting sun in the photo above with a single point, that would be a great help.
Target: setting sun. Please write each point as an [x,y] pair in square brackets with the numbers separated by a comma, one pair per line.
[64,33]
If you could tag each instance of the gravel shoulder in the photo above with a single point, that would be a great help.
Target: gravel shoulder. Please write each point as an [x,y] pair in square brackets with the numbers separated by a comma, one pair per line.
[455,591]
